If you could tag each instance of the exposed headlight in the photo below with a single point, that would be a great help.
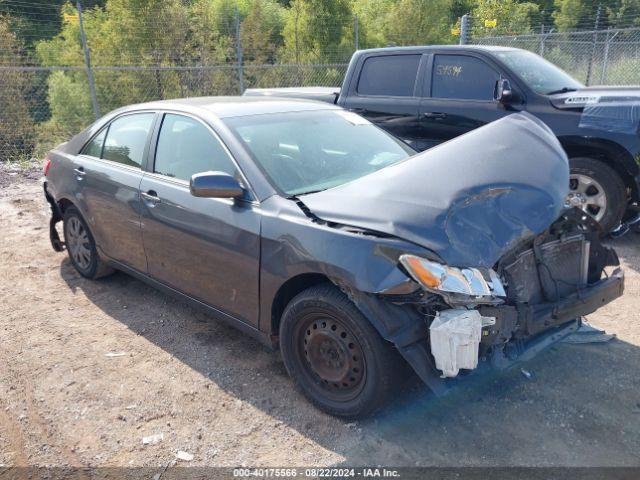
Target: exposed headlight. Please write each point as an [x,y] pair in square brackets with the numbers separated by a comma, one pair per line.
[454,282]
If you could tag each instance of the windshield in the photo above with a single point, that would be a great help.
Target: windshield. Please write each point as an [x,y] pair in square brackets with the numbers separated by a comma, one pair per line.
[542,76]
[303,152]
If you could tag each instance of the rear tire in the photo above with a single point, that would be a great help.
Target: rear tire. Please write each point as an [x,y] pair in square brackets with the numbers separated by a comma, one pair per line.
[606,179]
[81,246]
[336,357]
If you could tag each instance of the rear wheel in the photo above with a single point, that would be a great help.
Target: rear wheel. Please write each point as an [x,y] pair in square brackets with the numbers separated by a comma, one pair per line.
[334,354]
[82,247]
[597,189]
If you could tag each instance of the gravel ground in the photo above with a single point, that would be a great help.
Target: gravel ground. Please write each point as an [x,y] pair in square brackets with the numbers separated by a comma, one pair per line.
[218,395]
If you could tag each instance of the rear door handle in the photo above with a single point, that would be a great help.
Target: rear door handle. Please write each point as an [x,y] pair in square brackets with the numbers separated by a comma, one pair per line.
[80,173]
[434,115]
[151,198]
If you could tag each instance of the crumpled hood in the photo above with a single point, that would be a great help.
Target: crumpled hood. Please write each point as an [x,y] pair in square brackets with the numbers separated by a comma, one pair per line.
[469,200]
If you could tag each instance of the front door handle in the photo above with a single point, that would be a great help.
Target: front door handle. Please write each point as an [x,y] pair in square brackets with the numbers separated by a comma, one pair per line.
[151,198]
[434,115]
[80,173]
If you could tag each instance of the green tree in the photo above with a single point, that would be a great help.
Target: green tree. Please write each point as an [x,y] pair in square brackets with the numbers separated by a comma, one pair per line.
[17,133]
[384,22]
[623,13]
[512,17]
[314,31]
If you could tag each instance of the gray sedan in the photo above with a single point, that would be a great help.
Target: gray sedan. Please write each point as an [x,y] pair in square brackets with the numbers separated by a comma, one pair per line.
[311,229]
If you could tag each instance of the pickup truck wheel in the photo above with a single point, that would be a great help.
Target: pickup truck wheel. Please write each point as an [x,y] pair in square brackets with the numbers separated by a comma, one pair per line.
[82,247]
[598,190]
[334,354]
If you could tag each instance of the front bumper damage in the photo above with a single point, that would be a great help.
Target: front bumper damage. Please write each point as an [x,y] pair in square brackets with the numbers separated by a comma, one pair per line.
[551,322]
[530,320]
[546,323]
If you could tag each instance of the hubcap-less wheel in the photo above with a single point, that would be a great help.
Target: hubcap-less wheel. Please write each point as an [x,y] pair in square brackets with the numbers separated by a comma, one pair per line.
[333,356]
[78,243]
[587,194]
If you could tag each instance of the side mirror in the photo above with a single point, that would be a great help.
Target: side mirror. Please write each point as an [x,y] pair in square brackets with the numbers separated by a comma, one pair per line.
[215,185]
[504,94]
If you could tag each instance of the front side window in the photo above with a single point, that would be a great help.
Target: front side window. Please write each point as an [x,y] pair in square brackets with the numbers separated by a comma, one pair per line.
[309,151]
[127,138]
[541,75]
[462,77]
[186,146]
[391,75]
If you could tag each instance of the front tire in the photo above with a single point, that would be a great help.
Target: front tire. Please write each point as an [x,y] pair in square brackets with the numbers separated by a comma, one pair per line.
[334,354]
[598,190]
[81,246]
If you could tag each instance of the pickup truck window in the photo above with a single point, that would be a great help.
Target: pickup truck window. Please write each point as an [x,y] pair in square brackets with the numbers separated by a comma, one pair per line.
[462,77]
[390,75]
[541,76]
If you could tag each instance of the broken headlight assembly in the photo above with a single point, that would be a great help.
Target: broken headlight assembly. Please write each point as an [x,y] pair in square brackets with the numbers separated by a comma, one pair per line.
[458,286]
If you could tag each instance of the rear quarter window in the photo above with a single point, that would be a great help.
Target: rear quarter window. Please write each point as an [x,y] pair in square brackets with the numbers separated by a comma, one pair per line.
[127,137]
[389,75]
[94,147]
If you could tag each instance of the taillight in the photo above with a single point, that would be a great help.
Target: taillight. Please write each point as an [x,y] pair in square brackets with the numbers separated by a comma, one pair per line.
[46,165]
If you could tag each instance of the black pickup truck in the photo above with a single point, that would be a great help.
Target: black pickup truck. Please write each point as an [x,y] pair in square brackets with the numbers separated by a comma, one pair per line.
[428,95]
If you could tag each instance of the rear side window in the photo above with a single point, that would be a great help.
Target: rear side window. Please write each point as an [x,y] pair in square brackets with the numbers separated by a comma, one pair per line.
[127,138]
[94,147]
[186,146]
[392,75]
[462,77]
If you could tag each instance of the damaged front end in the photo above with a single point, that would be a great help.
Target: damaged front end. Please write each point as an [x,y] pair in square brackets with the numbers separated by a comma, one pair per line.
[512,270]
[488,267]
[461,320]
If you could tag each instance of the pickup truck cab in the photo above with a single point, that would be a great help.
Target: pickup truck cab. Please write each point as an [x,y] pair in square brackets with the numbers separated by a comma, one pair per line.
[428,95]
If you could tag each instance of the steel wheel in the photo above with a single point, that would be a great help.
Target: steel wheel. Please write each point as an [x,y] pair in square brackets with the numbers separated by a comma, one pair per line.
[587,194]
[78,243]
[336,356]
[333,355]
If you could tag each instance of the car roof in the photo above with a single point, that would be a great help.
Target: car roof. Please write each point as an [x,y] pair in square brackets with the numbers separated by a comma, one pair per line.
[235,106]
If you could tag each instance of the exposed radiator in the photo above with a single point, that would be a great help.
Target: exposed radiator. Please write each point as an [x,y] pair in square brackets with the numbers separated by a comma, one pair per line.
[560,270]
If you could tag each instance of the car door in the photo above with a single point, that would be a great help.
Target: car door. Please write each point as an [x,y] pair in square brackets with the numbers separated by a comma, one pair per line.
[108,171]
[207,248]
[386,94]
[459,95]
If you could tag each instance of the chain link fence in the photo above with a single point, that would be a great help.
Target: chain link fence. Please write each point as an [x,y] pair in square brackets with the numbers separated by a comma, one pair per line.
[59,70]
[55,77]
[28,128]
[597,57]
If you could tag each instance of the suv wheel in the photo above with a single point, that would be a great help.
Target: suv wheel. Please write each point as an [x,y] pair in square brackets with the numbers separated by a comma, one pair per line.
[334,354]
[82,247]
[597,189]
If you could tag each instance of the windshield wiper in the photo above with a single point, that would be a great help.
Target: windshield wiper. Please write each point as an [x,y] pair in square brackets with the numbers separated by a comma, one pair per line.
[561,90]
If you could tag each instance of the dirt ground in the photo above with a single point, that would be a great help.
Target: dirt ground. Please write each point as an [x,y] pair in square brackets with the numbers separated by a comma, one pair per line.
[223,398]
